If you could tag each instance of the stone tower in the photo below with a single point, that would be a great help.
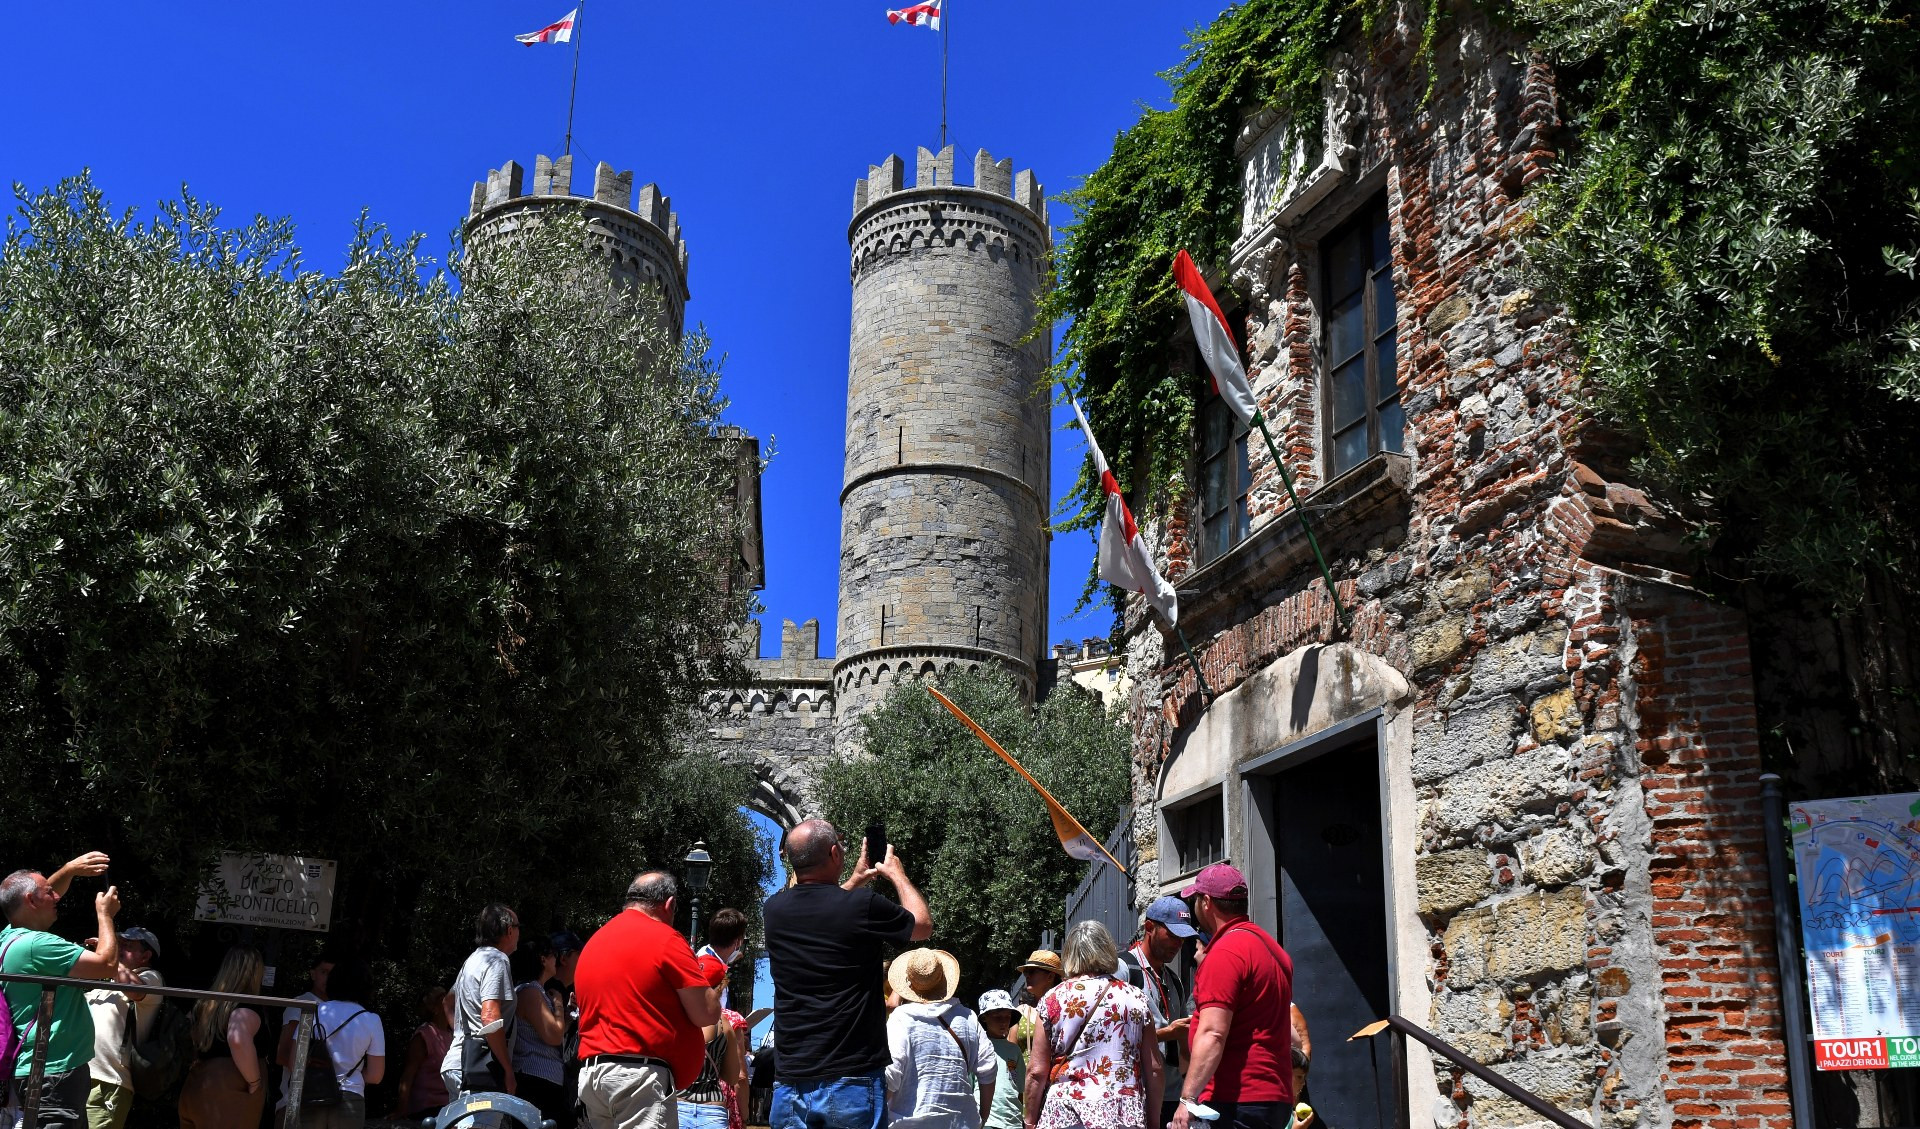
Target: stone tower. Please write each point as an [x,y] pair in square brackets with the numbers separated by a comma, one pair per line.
[943,514]
[640,236]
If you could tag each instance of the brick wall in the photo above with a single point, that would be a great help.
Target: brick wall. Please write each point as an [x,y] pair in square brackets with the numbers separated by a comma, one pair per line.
[1589,864]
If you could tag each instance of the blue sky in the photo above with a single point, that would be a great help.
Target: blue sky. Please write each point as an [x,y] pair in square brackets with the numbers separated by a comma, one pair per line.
[755,118]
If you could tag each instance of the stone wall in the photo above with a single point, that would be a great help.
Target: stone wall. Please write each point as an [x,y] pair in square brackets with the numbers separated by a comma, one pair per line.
[1579,813]
[780,724]
[640,235]
[944,538]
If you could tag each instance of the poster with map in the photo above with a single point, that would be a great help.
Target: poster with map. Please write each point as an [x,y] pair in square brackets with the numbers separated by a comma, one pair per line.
[1859,867]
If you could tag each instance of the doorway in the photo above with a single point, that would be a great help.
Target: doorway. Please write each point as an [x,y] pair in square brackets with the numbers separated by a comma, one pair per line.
[1316,852]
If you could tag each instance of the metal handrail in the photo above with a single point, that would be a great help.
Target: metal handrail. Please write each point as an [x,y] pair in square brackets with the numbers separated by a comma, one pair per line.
[1404,1027]
[43,1018]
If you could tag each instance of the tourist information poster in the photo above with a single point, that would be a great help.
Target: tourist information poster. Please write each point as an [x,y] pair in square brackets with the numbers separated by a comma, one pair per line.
[1859,867]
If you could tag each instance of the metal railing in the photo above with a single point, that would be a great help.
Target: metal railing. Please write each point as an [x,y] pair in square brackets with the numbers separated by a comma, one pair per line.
[43,1018]
[1404,1028]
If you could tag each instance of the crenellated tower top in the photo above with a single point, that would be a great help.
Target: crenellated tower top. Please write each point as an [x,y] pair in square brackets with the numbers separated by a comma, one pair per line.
[1002,210]
[639,232]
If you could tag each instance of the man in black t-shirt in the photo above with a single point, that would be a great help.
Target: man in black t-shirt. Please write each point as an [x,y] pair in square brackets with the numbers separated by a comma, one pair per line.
[829,1013]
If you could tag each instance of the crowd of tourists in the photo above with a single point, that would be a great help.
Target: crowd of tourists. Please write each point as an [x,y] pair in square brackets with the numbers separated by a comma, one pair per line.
[1104,1040]
[630,1029]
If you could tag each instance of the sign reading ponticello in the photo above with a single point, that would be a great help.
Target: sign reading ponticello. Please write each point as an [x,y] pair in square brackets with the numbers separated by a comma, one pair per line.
[1859,867]
[286,891]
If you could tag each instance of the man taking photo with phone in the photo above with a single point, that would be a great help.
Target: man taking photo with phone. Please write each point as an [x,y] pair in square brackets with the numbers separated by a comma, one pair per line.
[824,941]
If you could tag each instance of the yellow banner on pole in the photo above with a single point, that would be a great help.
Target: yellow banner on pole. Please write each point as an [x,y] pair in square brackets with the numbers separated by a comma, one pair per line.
[1074,839]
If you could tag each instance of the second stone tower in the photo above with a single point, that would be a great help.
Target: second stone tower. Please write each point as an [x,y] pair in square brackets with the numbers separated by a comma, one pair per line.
[943,515]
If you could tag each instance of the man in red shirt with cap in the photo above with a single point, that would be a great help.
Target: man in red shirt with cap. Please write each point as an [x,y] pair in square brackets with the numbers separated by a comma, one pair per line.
[643,1001]
[1240,1044]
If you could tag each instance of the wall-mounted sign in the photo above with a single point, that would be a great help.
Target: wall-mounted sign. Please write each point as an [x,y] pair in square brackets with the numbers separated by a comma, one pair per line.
[1859,866]
[285,891]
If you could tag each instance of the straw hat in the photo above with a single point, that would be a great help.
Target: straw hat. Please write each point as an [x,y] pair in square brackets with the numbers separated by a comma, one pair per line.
[1040,960]
[924,976]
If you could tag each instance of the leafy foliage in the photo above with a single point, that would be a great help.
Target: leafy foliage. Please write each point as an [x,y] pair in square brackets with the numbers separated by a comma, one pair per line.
[1735,230]
[1734,234]
[1172,183]
[412,568]
[974,836]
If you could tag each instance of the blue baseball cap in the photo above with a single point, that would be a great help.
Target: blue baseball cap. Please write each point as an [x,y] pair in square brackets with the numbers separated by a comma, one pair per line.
[1174,914]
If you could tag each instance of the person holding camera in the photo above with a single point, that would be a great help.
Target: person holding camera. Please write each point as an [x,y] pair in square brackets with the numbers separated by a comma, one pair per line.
[824,943]
[31,903]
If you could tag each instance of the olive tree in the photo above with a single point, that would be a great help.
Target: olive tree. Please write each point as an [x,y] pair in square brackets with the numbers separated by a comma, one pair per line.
[418,567]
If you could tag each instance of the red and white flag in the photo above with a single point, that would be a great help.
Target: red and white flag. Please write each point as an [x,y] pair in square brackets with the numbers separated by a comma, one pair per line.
[1216,342]
[925,15]
[1125,560]
[559,31]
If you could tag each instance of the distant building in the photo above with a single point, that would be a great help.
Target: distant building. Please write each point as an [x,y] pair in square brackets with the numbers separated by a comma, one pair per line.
[1094,665]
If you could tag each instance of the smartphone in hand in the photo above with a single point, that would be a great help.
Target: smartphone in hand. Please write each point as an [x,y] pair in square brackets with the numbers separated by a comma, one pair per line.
[876,843]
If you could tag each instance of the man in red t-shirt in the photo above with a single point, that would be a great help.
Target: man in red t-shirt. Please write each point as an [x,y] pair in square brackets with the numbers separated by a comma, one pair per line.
[643,1001]
[1240,1057]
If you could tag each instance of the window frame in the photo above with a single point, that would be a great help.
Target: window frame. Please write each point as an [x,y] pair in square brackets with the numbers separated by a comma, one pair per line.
[1381,391]
[1237,507]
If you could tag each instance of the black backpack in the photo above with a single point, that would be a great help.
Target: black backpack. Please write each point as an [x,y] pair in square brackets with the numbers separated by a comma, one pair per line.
[322,1086]
[158,1062]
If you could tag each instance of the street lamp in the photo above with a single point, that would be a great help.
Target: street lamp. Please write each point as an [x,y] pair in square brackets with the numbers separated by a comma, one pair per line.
[699,869]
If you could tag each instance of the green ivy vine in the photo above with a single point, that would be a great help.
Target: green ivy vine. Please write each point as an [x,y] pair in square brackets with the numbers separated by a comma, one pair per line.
[1172,182]
[1734,226]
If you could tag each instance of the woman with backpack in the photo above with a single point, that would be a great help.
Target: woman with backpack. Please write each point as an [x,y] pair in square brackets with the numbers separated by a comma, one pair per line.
[226,1088]
[349,1053]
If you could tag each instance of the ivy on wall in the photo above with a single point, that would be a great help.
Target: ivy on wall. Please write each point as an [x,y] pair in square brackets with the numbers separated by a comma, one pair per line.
[1733,232]
[1172,182]
[1735,228]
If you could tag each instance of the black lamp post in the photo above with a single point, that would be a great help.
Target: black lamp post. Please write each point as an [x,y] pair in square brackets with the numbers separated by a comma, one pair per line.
[699,869]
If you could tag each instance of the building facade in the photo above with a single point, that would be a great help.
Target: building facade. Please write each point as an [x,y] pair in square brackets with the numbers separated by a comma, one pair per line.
[1516,800]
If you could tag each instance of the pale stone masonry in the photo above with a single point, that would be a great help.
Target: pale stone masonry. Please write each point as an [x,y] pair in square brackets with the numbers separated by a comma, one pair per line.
[639,232]
[944,532]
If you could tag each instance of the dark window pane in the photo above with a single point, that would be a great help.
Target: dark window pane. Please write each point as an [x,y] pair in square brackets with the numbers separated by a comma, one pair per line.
[1382,249]
[1383,311]
[1349,448]
[1393,426]
[1243,480]
[1215,426]
[1346,330]
[1347,263]
[1389,385]
[1241,524]
[1213,485]
[1349,393]
[1214,539]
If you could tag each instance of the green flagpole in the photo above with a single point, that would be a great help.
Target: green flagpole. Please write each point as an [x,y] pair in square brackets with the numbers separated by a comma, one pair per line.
[1195,660]
[1306,523]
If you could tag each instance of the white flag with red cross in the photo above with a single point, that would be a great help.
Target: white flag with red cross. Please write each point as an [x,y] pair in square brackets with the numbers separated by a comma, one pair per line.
[1125,561]
[917,15]
[1215,338]
[559,31]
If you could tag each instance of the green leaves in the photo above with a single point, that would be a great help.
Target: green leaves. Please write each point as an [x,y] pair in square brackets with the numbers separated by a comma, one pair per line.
[974,836]
[1721,235]
[407,566]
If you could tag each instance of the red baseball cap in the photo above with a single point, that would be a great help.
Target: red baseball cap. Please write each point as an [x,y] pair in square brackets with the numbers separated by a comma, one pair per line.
[1221,880]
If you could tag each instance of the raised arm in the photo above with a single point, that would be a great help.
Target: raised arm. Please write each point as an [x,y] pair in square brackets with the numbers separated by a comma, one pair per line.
[910,898]
[102,962]
[90,865]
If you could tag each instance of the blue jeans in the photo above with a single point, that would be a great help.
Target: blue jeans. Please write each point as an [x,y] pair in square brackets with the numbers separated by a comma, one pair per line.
[856,1102]
[697,1115]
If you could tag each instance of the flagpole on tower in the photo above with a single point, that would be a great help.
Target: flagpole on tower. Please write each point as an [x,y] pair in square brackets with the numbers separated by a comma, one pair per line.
[579,18]
[945,19]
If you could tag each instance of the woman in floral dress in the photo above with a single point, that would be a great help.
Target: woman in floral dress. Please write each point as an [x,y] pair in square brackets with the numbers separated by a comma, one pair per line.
[1096,1066]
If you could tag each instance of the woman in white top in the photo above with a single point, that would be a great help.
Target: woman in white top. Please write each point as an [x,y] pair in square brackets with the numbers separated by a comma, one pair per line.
[356,1040]
[942,1072]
